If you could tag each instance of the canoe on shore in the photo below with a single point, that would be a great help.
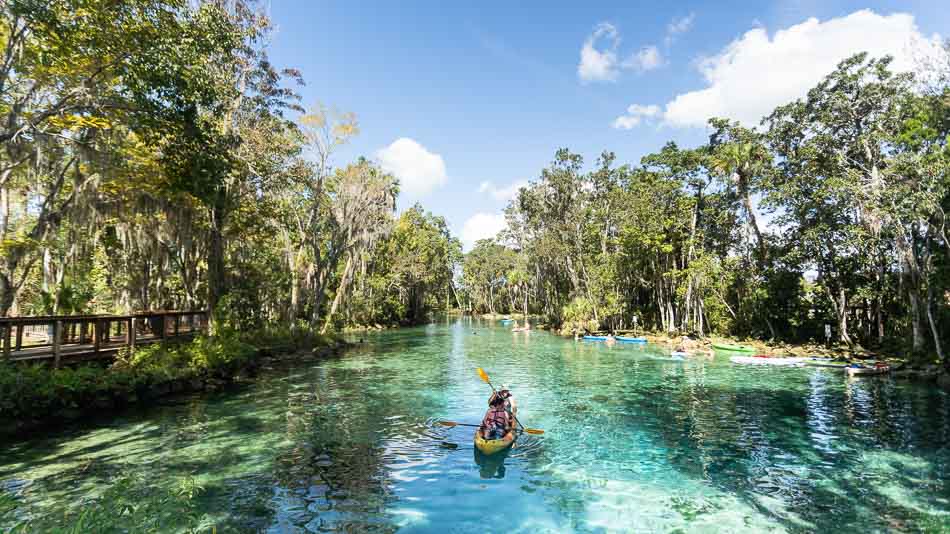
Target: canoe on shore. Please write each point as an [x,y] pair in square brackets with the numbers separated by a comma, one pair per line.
[813,362]
[863,371]
[827,365]
[492,446]
[752,360]
[733,348]
[626,339]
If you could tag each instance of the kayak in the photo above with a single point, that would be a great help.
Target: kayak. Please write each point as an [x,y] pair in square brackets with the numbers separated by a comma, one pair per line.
[492,446]
[733,348]
[876,370]
[824,362]
[626,339]
[595,338]
[678,354]
[752,360]
[506,321]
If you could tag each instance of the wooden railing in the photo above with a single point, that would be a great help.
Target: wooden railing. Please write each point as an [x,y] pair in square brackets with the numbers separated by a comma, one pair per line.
[55,337]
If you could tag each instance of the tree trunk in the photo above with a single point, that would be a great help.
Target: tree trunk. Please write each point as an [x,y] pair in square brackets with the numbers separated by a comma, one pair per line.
[760,243]
[491,298]
[917,333]
[840,305]
[216,270]
[525,290]
[338,298]
[6,294]
[933,323]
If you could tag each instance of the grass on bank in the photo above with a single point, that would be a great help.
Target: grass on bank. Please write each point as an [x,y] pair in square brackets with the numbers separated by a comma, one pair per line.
[34,392]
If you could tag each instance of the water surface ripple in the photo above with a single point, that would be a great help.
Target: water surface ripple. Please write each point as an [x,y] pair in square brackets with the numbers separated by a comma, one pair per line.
[634,442]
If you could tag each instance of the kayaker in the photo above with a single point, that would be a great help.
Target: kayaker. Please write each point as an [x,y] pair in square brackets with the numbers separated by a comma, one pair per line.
[498,420]
[682,345]
[510,404]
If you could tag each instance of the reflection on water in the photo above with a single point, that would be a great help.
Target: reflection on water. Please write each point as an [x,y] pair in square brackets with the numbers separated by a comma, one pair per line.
[491,466]
[633,440]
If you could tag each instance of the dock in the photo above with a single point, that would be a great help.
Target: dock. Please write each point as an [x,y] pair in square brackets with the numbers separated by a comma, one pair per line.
[60,339]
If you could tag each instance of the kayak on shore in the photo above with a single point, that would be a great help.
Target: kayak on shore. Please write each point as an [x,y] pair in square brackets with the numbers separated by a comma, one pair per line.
[754,360]
[595,338]
[858,369]
[733,348]
[626,339]
[492,446]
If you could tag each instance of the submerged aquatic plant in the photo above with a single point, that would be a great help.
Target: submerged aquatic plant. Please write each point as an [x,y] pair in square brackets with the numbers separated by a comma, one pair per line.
[130,503]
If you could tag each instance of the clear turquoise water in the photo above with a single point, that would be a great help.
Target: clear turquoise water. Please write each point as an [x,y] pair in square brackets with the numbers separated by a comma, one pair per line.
[633,442]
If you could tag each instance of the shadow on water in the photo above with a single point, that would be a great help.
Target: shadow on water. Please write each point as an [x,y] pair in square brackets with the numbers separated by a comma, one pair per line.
[804,459]
[351,443]
[491,465]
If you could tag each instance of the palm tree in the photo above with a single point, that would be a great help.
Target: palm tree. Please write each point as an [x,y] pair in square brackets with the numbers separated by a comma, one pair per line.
[742,161]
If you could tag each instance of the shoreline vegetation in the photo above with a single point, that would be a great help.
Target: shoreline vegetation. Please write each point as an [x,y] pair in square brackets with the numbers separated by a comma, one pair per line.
[823,225]
[34,396]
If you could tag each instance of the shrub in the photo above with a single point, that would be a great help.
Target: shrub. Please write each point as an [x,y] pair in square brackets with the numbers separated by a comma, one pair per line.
[30,392]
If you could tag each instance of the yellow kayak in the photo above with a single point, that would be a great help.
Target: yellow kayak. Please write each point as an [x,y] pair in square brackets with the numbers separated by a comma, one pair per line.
[492,446]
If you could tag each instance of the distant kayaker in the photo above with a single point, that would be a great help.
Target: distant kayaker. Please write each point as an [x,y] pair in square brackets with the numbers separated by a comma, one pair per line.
[681,347]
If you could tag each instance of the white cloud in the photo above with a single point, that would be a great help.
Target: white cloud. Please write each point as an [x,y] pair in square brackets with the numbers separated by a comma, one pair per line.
[599,65]
[635,115]
[648,58]
[481,226]
[503,194]
[677,27]
[757,72]
[419,171]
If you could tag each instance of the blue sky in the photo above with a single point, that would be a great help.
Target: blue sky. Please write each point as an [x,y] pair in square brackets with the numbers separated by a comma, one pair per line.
[466,100]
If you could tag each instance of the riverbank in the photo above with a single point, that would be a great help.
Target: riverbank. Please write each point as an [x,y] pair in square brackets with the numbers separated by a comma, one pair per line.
[902,367]
[34,396]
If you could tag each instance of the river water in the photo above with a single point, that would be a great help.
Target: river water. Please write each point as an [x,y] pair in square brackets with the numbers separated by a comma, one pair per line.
[634,441]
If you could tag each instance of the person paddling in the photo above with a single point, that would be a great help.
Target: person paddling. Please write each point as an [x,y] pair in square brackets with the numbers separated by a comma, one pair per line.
[510,403]
[497,422]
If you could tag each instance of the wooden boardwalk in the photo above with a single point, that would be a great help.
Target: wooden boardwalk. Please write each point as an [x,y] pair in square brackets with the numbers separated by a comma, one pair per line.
[72,338]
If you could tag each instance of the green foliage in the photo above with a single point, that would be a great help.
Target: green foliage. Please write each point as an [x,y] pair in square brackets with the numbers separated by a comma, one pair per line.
[578,316]
[288,337]
[30,392]
[854,179]
[409,274]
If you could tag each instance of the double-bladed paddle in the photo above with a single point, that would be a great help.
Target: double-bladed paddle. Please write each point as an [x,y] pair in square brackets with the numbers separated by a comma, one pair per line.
[451,424]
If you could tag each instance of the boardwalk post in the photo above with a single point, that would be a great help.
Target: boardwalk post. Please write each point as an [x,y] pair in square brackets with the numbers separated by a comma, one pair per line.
[130,337]
[91,335]
[57,335]
[6,341]
[96,335]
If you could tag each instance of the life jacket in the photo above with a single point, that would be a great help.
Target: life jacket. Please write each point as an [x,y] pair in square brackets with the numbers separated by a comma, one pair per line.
[497,420]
